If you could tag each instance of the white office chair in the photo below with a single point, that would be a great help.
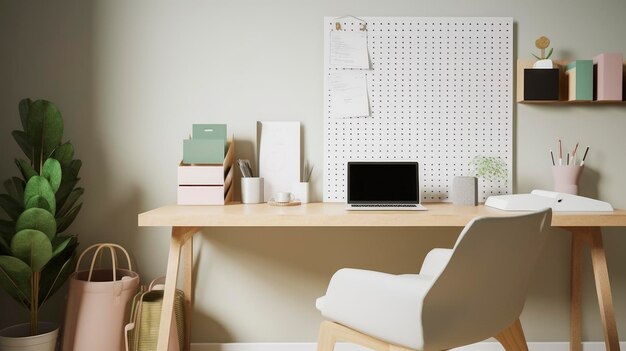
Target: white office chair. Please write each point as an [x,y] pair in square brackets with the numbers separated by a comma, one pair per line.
[461,296]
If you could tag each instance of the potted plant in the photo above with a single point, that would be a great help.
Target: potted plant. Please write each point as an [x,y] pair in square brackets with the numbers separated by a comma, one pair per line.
[489,168]
[36,254]
[543,60]
[465,189]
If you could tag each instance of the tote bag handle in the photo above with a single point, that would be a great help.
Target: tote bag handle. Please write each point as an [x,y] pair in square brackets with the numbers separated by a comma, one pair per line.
[157,284]
[98,248]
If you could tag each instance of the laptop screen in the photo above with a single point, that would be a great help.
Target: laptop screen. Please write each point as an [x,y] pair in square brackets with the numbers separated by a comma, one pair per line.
[383,182]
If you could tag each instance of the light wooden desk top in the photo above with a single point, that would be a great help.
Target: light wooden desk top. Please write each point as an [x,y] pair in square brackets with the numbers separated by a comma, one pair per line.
[334,215]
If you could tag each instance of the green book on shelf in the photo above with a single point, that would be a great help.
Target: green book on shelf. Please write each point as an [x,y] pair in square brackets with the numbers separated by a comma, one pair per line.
[580,79]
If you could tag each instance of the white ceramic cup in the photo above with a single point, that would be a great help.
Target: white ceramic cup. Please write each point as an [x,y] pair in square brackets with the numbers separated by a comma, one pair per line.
[283,197]
[252,190]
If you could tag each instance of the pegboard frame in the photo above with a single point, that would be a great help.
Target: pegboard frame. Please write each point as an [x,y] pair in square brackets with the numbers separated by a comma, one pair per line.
[440,93]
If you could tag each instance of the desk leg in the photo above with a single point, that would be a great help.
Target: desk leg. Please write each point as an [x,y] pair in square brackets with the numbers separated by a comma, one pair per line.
[591,236]
[179,236]
[576,292]
[603,289]
[188,288]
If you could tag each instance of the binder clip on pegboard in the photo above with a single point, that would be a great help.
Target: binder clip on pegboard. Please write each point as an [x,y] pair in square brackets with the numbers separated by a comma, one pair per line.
[362,24]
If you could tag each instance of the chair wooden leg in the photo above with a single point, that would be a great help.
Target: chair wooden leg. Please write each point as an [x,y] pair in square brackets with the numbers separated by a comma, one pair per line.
[512,338]
[331,332]
[326,341]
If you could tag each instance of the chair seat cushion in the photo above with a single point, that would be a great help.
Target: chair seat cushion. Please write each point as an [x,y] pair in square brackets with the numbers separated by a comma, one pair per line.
[385,306]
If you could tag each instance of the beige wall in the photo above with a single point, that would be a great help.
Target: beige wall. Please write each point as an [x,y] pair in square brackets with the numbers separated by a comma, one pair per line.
[132,76]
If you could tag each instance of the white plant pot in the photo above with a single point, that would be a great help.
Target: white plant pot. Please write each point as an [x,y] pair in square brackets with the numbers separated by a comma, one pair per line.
[17,338]
[301,192]
[544,64]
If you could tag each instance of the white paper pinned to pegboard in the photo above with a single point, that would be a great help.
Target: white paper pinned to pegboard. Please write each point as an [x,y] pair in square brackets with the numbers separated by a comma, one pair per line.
[440,93]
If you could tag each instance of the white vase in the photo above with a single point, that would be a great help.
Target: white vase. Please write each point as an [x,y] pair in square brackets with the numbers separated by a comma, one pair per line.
[301,192]
[465,191]
[544,64]
[17,337]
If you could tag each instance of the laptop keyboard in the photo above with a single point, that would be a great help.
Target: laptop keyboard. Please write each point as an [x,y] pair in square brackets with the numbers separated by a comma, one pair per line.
[386,205]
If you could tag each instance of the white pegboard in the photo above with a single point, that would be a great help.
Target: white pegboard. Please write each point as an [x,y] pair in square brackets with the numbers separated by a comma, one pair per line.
[440,93]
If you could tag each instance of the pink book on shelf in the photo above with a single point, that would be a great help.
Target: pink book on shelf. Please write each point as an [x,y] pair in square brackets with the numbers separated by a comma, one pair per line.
[608,73]
[624,84]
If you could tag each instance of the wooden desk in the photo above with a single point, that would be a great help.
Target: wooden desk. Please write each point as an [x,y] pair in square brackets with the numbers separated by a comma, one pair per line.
[188,220]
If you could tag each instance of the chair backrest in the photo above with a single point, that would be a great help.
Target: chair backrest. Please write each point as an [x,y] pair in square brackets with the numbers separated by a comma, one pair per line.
[482,289]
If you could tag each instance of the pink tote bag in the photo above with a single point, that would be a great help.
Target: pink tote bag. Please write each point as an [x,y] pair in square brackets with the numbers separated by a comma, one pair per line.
[97,304]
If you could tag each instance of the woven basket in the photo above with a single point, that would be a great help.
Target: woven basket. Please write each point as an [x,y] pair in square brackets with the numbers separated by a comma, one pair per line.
[142,332]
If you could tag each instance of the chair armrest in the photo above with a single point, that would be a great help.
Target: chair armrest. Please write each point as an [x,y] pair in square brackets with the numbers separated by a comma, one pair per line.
[435,262]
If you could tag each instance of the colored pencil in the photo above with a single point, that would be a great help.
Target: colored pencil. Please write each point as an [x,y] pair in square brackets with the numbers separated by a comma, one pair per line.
[584,156]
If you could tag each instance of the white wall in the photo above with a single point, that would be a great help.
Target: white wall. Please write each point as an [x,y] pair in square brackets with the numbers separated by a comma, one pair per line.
[132,76]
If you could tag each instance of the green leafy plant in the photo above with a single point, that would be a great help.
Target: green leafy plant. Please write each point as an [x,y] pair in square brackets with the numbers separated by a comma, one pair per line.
[36,255]
[489,167]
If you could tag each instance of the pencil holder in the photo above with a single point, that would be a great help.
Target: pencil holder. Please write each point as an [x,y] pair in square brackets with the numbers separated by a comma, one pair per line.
[566,178]
[252,190]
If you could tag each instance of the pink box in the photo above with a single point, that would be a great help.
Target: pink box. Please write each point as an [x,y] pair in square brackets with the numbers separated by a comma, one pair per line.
[201,195]
[608,72]
[201,175]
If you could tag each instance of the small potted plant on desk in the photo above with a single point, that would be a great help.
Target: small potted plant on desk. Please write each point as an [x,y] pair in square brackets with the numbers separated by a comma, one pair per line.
[36,256]
[465,189]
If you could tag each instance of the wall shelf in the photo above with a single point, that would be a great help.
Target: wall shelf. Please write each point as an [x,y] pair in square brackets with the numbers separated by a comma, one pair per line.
[566,102]
[563,91]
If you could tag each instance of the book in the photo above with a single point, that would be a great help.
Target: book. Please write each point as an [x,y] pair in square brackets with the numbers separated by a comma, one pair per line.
[608,73]
[580,80]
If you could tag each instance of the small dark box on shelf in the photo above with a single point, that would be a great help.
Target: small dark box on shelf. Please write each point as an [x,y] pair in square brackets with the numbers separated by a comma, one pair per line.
[541,84]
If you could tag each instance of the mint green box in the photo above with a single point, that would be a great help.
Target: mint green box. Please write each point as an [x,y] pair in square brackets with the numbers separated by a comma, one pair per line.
[208,144]
[210,131]
[580,80]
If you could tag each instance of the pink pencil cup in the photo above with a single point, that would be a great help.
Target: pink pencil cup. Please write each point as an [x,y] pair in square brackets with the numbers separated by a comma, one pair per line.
[566,178]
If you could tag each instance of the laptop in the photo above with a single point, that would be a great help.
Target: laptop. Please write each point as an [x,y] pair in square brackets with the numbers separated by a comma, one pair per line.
[381,186]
